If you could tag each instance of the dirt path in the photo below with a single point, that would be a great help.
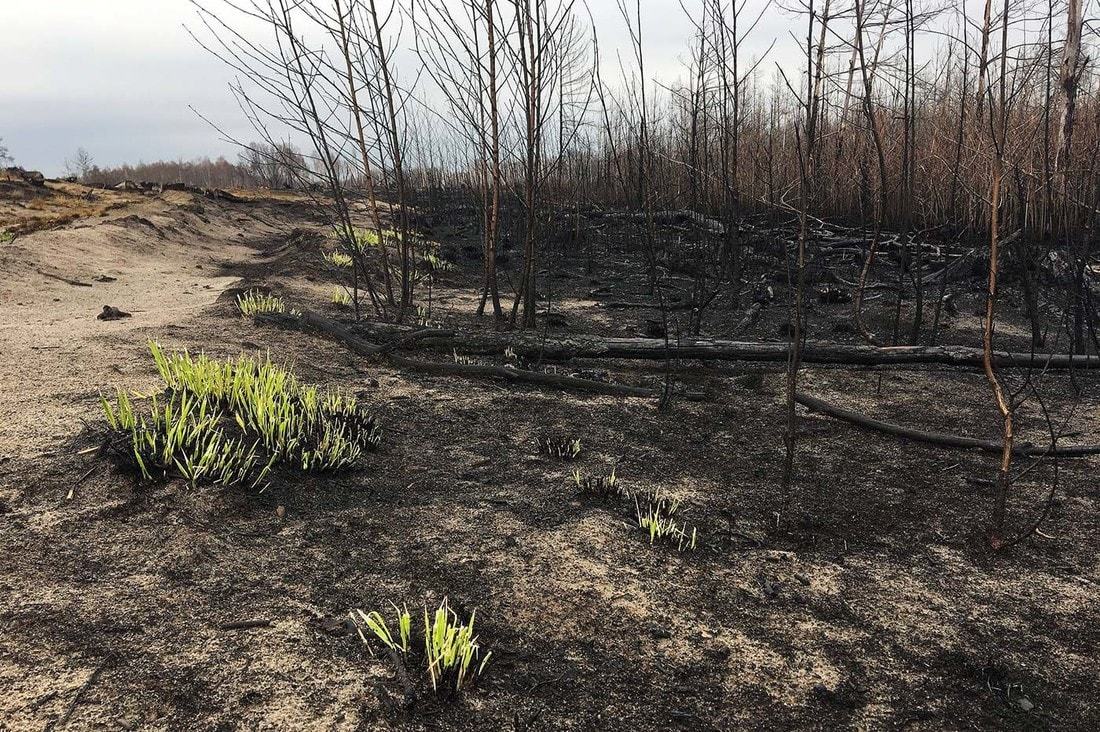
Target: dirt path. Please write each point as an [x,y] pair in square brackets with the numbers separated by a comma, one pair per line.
[159,259]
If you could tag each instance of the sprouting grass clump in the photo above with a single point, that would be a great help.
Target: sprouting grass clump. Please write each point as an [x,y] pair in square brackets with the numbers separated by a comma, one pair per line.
[433,263]
[447,649]
[230,422]
[368,238]
[325,429]
[462,359]
[658,515]
[183,434]
[566,448]
[254,302]
[604,487]
[424,317]
[341,298]
[338,259]
[654,512]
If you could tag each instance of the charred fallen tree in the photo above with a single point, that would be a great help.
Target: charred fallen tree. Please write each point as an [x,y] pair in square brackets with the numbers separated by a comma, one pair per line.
[313,321]
[307,320]
[819,352]
[942,439]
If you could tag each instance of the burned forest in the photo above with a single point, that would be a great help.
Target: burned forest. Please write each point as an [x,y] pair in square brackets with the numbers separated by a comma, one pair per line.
[551,365]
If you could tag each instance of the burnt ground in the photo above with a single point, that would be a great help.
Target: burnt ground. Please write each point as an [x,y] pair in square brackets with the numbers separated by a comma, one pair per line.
[873,604]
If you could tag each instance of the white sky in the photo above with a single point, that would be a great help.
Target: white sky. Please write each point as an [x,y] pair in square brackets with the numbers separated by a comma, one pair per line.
[117,76]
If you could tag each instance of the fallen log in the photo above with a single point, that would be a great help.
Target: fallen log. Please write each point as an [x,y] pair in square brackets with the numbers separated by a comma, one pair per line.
[324,325]
[628,305]
[523,376]
[942,439]
[681,217]
[341,334]
[66,280]
[933,278]
[564,348]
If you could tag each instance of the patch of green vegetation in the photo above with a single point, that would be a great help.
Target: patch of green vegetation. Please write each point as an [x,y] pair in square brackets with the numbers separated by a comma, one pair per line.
[182,434]
[654,511]
[433,263]
[341,298]
[368,238]
[7,237]
[604,487]
[450,648]
[230,422]
[566,448]
[658,515]
[338,259]
[255,302]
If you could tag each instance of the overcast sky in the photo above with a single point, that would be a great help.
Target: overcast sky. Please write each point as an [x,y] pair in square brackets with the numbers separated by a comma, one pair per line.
[116,77]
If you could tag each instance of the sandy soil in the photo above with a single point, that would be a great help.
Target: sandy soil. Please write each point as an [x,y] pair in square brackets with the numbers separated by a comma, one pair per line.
[160,259]
[882,612]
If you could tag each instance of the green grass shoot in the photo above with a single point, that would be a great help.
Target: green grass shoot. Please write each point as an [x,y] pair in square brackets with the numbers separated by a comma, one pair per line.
[450,652]
[230,422]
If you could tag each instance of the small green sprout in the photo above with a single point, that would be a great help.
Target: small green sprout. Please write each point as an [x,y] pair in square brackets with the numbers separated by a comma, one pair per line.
[338,259]
[560,447]
[341,298]
[254,302]
[450,647]
[657,514]
[605,487]
[376,624]
[423,317]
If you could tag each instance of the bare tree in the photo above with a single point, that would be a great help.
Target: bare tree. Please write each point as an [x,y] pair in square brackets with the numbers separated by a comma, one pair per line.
[292,85]
[806,142]
[273,166]
[998,140]
[80,164]
[546,44]
[460,52]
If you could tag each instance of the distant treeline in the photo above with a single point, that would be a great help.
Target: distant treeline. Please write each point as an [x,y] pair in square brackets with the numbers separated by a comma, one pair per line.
[259,165]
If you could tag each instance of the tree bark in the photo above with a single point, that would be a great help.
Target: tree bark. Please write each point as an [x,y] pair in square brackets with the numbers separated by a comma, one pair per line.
[941,438]
[356,344]
[707,349]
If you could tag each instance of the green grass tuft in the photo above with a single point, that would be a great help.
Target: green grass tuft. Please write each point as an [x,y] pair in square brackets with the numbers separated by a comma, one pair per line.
[230,422]
[450,647]
[341,298]
[338,259]
[433,263]
[604,487]
[566,448]
[254,302]
[182,434]
[368,238]
[657,515]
